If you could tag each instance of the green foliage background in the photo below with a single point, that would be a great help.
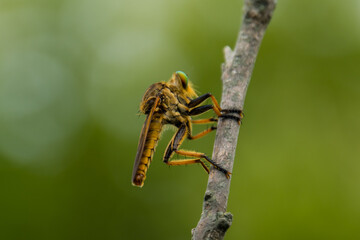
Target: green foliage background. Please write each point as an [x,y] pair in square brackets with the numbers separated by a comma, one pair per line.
[72,74]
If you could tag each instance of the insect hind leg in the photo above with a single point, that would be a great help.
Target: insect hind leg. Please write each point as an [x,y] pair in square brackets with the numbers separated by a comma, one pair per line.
[187,162]
[175,142]
[203,156]
[173,146]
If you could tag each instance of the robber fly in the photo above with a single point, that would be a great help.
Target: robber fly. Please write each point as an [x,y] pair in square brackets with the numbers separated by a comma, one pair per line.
[174,102]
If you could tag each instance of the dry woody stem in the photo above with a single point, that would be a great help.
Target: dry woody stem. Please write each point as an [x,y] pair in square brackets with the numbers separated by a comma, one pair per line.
[236,74]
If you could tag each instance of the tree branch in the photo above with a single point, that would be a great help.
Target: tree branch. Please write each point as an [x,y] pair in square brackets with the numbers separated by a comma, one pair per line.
[236,74]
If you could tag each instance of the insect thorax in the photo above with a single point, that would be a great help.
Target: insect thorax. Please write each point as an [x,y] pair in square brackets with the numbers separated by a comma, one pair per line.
[170,100]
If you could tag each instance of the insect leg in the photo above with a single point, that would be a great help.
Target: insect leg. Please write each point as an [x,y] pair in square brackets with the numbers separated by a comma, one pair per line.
[198,100]
[188,161]
[206,131]
[237,119]
[230,114]
[232,111]
[201,121]
[200,110]
[175,142]
[202,155]
[201,134]
[203,109]
[202,98]
[217,109]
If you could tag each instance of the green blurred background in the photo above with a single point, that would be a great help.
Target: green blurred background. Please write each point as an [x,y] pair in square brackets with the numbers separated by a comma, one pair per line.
[72,74]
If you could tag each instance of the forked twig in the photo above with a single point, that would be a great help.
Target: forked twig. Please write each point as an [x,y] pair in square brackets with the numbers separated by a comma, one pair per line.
[236,74]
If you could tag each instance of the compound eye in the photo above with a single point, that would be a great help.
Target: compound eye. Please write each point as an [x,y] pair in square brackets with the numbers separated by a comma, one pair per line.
[184,78]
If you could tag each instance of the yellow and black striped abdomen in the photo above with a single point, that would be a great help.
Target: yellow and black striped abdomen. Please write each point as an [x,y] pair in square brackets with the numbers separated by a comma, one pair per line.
[151,140]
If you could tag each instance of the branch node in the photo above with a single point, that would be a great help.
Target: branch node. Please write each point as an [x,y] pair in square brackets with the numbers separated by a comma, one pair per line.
[208,199]
[260,10]
[208,195]
[223,221]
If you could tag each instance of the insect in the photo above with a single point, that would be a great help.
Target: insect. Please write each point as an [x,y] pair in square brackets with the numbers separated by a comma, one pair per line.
[174,102]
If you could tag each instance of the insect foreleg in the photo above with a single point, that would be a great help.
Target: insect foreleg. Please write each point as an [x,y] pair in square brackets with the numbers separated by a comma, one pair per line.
[200,110]
[198,100]
[205,108]
[217,109]
[232,114]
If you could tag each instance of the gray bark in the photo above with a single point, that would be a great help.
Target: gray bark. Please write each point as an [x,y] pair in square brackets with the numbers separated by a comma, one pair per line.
[236,74]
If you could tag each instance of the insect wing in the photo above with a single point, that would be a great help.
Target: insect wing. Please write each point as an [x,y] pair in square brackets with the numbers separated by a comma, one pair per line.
[143,136]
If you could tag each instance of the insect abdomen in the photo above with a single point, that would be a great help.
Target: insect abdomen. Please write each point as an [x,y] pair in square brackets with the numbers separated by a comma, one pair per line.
[149,148]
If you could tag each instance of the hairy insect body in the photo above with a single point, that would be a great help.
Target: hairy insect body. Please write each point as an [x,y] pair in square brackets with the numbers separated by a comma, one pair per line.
[150,96]
[171,103]
[151,141]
